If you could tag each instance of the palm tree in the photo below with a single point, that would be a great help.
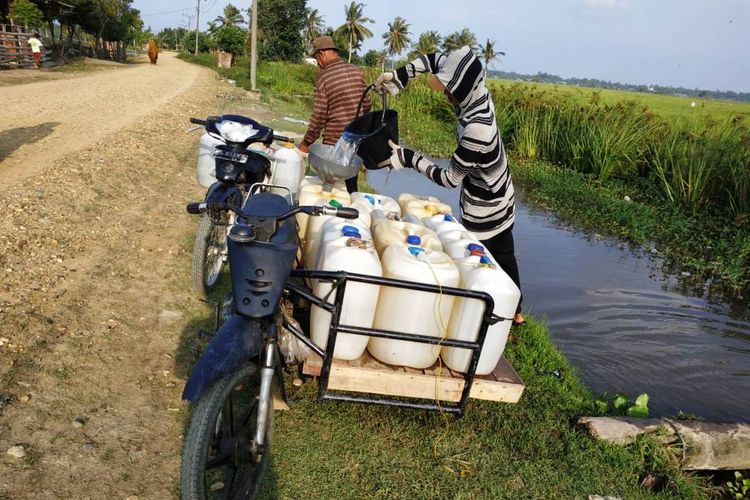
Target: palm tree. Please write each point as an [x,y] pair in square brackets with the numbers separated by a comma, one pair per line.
[314,25]
[354,26]
[231,16]
[488,54]
[458,39]
[397,37]
[429,41]
[382,56]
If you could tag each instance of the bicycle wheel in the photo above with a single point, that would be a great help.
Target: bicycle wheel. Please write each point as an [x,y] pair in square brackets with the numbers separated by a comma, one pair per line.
[209,253]
[217,461]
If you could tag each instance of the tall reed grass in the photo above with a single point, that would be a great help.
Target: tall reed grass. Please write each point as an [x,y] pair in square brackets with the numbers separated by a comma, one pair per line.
[696,165]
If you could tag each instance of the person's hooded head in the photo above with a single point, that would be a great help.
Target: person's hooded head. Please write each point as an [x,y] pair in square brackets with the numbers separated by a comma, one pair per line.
[460,74]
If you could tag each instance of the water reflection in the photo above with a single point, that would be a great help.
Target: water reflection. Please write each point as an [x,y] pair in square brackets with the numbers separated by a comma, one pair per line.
[624,323]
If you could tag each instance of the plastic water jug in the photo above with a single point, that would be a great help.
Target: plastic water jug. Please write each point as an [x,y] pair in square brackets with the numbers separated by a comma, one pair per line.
[465,247]
[378,216]
[365,216]
[391,232]
[336,228]
[288,171]
[315,227]
[417,208]
[352,254]
[441,223]
[480,272]
[377,202]
[206,168]
[310,193]
[409,311]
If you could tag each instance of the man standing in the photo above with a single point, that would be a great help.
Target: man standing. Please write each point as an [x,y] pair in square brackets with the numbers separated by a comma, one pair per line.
[479,163]
[36,48]
[338,89]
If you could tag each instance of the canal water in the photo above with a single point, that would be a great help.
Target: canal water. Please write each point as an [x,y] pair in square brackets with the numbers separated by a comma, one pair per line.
[625,324]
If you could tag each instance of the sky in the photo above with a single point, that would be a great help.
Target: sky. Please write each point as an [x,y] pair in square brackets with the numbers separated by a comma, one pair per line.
[689,43]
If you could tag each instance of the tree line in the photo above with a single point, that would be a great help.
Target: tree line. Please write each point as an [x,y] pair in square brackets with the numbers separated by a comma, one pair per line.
[286,29]
[111,23]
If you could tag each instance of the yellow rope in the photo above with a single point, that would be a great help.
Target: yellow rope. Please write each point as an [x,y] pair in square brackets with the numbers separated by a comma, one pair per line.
[465,468]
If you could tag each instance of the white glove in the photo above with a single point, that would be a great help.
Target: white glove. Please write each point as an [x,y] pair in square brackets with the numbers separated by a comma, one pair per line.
[387,82]
[400,157]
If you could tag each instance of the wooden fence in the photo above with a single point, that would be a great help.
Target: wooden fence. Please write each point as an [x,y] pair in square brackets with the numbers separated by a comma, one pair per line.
[15,51]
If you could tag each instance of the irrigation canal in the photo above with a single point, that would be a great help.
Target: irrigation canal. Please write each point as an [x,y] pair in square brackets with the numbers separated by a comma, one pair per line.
[625,324]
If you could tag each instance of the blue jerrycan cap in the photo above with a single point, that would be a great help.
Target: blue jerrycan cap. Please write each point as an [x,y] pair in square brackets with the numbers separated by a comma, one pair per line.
[413,239]
[485,260]
[416,250]
[350,231]
[474,247]
[449,218]
[370,198]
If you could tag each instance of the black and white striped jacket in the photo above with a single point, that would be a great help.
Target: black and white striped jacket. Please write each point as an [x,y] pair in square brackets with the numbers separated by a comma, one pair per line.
[479,163]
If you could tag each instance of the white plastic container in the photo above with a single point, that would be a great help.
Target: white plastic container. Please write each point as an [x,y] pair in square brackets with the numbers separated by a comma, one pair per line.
[336,228]
[378,216]
[414,208]
[351,254]
[390,232]
[377,202]
[287,171]
[310,193]
[315,228]
[481,273]
[365,215]
[408,311]
[206,168]
[442,223]
[465,247]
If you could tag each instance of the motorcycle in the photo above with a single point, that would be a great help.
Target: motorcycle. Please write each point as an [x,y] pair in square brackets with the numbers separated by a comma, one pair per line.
[237,168]
[229,437]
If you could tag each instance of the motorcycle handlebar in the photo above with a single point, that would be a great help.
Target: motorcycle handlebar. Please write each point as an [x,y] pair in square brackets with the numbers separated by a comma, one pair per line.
[198,121]
[344,212]
[281,138]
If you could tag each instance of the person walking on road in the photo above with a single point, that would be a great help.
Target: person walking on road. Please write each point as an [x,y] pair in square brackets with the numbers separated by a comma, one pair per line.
[338,89]
[479,163]
[36,49]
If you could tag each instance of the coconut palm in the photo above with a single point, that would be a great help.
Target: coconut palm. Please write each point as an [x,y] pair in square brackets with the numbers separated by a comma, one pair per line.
[231,17]
[397,37]
[489,54]
[354,26]
[429,41]
[314,25]
[458,39]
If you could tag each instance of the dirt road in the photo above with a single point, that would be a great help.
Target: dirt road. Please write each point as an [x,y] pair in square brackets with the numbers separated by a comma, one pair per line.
[97,313]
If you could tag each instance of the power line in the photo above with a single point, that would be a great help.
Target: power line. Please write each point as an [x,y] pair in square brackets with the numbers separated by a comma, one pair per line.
[166,12]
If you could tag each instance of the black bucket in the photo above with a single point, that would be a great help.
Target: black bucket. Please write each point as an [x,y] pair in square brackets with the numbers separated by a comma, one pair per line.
[378,127]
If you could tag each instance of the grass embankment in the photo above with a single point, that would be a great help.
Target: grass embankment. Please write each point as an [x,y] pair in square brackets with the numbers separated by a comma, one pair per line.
[529,450]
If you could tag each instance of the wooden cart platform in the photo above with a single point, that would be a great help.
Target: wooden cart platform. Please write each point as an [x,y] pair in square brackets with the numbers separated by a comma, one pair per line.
[368,375]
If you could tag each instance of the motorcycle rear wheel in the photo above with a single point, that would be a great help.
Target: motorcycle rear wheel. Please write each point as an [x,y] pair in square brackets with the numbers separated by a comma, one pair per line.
[209,253]
[217,461]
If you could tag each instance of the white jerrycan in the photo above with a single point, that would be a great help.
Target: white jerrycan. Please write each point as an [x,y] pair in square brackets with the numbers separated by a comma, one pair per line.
[310,193]
[287,171]
[377,202]
[409,311]
[343,249]
[391,232]
[481,273]
[206,168]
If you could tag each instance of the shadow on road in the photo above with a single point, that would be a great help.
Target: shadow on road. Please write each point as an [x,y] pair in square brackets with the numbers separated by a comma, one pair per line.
[12,139]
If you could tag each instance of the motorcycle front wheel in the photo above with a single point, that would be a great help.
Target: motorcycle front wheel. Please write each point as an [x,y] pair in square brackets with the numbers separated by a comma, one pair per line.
[209,253]
[217,460]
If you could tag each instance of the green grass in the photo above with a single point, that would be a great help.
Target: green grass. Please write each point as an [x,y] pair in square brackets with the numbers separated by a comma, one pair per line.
[532,449]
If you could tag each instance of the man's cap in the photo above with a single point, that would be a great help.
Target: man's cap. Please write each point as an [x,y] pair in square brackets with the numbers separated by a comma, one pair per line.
[322,43]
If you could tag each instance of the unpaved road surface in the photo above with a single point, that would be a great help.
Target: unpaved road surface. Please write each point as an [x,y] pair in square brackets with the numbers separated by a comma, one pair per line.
[97,313]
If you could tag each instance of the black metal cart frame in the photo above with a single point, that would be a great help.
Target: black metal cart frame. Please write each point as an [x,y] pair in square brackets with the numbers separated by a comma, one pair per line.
[339,280]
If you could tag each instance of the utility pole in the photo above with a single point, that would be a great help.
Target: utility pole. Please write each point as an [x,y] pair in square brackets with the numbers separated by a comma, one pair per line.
[197,23]
[253,44]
